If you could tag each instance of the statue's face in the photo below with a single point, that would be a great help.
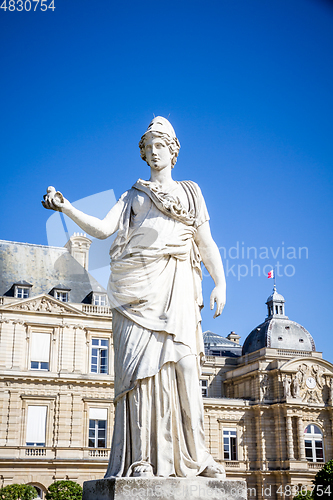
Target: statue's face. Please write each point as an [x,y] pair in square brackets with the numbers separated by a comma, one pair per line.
[158,155]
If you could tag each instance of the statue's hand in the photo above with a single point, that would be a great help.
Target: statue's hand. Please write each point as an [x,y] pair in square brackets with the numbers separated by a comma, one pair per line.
[54,200]
[218,295]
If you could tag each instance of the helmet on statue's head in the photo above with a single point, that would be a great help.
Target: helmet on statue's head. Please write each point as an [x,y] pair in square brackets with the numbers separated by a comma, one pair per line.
[161,127]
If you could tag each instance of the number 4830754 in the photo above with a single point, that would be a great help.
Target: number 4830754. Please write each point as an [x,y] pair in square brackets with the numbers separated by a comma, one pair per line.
[27,5]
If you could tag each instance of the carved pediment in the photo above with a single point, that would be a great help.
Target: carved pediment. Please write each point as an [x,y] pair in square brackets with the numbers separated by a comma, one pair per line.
[43,304]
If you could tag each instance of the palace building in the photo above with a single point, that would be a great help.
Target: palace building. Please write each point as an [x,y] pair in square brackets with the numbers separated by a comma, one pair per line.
[268,403]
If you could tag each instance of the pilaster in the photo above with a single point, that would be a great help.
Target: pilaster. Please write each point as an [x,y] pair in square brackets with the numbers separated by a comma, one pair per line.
[290,444]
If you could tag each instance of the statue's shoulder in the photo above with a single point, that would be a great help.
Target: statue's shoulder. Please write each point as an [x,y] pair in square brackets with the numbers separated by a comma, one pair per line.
[127,195]
[192,187]
[196,201]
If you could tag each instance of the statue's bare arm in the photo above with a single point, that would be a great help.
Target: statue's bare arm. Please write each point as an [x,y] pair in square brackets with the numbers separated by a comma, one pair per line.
[212,260]
[99,228]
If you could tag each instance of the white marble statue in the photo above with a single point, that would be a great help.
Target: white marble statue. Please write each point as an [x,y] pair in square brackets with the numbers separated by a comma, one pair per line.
[155,293]
[296,388]
[286,386]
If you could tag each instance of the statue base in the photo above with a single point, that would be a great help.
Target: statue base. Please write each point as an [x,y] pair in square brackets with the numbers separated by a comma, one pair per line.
[170,488]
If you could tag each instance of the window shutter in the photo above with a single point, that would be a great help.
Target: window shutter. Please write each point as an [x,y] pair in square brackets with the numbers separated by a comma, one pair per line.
[40,347]
[36,424]
[98,413]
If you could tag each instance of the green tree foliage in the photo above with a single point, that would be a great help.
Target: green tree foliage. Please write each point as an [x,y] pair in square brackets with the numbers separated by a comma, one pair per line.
[18,492]
[323,489]
[306,496]
[64,490]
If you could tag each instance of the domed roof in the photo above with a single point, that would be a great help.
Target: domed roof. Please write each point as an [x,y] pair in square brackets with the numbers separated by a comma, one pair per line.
[278,331]
[215,345]
[216,340]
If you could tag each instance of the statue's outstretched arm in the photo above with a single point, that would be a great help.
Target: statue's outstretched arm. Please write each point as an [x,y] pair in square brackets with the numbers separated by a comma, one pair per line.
[99,228]
[212,260]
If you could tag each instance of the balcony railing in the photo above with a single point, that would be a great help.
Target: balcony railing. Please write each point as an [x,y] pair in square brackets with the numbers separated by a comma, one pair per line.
[101,310]
[291,354]
[35,452]
[316,465]
[99,453]
[234,464]
[54,453]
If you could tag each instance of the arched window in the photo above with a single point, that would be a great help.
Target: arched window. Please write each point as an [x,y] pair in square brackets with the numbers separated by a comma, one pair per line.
[313,439]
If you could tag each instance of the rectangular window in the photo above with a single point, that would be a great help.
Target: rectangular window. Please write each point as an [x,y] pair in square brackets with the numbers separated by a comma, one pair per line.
[99,355]
[314,451]
[36,426]
[63,296]
[99,300]
[308,451]
[319,451]
[230,444]
[22,293]
[204,388]
[97,427]
[40,351]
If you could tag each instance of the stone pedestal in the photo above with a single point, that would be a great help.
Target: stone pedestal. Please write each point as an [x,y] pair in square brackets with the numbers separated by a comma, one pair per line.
[139,488]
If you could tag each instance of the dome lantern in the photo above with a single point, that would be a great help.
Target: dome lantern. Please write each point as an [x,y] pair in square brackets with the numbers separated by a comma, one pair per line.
[275,305]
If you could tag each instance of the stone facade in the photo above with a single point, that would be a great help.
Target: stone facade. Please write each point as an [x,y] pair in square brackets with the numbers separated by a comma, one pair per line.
[68,389]
[257,406]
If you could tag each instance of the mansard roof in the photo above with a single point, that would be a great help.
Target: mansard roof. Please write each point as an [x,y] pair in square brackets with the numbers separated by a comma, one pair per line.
[44,267]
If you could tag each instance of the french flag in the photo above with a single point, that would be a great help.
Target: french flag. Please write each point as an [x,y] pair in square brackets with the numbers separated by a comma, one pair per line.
[271,274]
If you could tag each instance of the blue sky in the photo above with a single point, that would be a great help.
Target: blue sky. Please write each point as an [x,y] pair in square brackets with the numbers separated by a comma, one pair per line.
[247,86]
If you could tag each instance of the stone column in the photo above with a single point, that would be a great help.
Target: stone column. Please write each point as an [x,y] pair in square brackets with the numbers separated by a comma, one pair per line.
[290,443]
[277,425]
[300,436]
[261,448]
[263,440]
[4,328]
[18,344]
[258,437]
[78,354]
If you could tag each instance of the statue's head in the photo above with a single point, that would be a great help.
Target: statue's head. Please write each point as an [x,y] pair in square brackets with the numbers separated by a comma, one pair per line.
[162,128]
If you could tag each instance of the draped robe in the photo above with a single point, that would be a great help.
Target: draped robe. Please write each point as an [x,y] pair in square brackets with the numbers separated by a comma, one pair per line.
[155,294]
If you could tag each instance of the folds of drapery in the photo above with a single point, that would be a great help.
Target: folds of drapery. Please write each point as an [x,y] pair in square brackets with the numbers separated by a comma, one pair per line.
[160,420]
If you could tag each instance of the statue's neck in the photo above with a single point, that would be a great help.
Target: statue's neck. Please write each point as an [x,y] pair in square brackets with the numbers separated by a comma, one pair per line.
[162,178]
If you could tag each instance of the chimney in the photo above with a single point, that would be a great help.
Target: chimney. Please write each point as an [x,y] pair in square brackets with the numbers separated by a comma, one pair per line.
[78,246]
[233,337]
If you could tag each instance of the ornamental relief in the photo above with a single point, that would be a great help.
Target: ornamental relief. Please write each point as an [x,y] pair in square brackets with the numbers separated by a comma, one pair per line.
[310,383]
[45,305]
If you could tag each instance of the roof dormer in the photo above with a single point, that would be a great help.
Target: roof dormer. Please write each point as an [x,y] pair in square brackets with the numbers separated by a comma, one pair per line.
[22,289]
[60,292]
